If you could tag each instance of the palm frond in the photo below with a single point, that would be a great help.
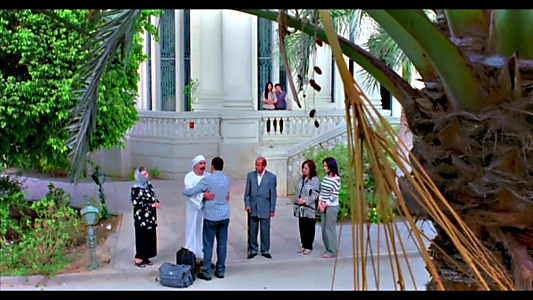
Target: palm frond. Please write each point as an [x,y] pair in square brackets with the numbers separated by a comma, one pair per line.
[115,30]
[381,45]
[301,48]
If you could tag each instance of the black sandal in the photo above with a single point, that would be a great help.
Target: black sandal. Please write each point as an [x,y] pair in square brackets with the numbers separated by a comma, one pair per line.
[148,262]
[140,264]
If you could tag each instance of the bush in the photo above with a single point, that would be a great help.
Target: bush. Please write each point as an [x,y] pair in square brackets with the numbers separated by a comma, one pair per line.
[36,236]
[340,152]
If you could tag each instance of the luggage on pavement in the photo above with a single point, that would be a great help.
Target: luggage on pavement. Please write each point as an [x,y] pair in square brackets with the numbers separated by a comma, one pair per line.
[175,275]
[186,257]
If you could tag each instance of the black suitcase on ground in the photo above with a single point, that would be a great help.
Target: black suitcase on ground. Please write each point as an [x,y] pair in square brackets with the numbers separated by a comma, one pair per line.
[186,257]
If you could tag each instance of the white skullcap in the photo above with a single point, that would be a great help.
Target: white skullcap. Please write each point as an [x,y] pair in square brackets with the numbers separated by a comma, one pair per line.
[197,159]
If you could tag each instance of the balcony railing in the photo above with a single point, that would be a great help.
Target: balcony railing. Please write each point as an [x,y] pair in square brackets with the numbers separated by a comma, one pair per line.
[298,123]
[175,125]
[206,125]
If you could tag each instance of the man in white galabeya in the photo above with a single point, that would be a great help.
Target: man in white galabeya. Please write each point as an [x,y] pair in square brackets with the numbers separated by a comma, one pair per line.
[193,210]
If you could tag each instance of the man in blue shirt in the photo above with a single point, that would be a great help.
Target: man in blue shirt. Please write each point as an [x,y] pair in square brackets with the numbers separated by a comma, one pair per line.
[283,100]
[216,218]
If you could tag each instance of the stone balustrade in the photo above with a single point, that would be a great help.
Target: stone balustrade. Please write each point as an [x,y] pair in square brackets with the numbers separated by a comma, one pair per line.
[272,124]
[289,123]
[175,125]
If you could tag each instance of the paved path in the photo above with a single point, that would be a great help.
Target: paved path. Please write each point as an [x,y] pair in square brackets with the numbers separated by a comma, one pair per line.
[302,275]
[171,216]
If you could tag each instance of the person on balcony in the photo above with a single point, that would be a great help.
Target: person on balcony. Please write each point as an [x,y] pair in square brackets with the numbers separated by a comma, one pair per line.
[305,205]
[260,203]
[329,206]
[145,203]
[193,210]
[269,97]
[283,101]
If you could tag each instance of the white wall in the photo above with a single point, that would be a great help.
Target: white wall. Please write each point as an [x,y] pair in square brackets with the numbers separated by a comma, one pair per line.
[224,60]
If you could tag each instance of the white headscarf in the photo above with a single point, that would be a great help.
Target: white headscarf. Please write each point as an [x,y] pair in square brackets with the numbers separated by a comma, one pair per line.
[197,159]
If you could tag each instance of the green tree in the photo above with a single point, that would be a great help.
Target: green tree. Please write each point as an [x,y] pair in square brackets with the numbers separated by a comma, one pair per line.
[39,57]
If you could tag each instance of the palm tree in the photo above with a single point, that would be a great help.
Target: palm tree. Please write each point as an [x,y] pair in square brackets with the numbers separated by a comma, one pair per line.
[472,120]
[476,68]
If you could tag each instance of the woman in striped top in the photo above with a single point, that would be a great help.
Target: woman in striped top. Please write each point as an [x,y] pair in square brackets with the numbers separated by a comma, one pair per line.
[329,206]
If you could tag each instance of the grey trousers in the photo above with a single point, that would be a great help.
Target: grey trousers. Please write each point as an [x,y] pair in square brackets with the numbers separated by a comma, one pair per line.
[254,224]
[329,229]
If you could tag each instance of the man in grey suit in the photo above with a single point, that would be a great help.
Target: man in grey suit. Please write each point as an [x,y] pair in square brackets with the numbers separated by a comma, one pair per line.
[260,204]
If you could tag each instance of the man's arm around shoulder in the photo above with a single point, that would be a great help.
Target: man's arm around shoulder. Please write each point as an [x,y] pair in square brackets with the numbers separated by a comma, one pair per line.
[197,189]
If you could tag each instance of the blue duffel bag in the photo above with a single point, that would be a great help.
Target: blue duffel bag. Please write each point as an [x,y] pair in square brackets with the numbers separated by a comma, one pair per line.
[176,276]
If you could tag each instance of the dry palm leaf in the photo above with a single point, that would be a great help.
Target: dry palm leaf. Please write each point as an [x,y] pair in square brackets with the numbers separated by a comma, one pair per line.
[475,259]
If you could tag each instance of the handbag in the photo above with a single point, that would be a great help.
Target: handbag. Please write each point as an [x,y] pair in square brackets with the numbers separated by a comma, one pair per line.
[297,206]
[176,276]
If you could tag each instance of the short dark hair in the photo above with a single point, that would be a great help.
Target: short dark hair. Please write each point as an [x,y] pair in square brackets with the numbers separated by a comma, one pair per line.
[141,169]
[332,165]
[277,84]
[312,167]
[217,163]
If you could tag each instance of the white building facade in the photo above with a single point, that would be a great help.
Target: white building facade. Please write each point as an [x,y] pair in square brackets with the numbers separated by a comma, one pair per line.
[223,60]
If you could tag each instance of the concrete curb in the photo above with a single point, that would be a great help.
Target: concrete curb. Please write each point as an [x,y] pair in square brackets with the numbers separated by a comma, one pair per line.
[114,240]
[109,273]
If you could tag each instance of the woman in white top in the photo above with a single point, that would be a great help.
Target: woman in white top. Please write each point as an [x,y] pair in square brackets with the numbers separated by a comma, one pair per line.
[269,97]
[329,206]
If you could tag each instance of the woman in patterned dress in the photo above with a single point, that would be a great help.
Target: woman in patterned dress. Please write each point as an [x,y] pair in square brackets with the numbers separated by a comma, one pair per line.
[145,204]
[305,205]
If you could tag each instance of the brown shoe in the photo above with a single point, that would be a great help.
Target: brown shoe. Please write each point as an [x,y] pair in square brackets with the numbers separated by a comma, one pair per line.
[301,250]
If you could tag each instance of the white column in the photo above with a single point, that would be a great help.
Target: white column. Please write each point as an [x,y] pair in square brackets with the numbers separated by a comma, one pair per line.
[142,85]
[206,58]
[339,86]
[396,107]
[276,55]
[179,48]
[237,60]
[255,64]
[156,71]
[322,99]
